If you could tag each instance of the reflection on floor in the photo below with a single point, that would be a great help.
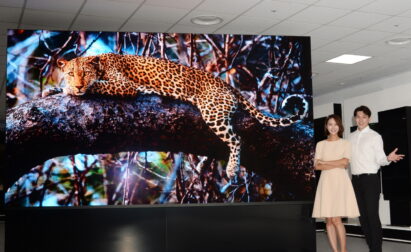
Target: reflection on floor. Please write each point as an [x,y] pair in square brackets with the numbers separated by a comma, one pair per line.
[358,244]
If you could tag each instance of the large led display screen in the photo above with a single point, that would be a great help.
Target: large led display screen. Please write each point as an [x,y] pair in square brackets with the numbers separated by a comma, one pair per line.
[128,118]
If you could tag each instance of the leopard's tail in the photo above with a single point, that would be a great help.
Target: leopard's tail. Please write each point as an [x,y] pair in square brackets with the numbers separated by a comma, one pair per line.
[296,103]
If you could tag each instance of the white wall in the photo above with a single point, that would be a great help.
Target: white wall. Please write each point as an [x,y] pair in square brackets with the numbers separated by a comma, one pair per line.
[323,110]
[379,95]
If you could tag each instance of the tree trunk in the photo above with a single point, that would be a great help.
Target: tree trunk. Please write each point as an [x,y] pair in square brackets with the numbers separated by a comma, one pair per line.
[63,125]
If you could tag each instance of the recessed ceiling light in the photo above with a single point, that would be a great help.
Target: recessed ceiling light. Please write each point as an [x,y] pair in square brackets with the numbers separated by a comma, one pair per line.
[398,41]
[348,59]
[206,20]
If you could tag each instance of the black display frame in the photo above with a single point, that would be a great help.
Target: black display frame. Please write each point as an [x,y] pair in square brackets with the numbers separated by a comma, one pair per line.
[283,226]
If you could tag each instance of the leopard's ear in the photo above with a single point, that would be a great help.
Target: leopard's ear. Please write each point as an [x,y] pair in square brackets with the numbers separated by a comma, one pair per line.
[95,60]
[61,63]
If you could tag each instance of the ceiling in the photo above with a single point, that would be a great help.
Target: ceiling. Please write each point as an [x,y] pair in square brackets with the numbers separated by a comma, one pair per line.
[335,27]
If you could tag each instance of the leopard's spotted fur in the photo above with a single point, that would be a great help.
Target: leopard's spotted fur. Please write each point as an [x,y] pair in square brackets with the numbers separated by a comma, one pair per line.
[128,75]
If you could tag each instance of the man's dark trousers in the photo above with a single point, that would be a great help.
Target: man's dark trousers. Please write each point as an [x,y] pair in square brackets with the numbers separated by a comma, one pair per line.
[367,191]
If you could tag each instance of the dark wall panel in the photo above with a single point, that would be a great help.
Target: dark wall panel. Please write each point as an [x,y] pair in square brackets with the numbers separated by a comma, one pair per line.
[395,126]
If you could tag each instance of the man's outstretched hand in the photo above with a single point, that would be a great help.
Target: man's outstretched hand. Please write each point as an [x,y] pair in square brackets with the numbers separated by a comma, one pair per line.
[394,157]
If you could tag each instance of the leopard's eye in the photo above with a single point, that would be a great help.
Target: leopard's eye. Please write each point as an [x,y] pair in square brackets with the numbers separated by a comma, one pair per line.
[71,74]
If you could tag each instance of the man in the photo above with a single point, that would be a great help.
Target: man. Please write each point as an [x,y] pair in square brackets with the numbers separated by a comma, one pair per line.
[367,157]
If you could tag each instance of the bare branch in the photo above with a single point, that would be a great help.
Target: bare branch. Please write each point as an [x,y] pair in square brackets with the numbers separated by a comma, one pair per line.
[216,47]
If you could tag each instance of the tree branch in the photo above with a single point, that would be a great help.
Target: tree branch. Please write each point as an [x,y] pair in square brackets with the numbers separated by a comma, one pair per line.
[63,125]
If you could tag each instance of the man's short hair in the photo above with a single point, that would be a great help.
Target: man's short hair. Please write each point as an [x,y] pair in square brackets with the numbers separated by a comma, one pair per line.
[363,109]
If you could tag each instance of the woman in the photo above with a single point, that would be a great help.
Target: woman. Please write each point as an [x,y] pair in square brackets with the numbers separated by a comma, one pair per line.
[335,196]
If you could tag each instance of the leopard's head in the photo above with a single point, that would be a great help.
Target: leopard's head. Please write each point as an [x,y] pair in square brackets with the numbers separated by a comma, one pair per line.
[79,74]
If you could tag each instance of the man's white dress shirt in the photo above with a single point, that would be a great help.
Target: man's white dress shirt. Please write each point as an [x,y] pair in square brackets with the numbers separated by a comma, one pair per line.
[367,151]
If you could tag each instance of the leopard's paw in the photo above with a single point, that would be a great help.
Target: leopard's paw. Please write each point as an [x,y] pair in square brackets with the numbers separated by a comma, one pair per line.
[230,172]
[51,91]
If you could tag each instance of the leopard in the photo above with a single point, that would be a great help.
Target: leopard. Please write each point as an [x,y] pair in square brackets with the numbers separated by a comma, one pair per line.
[129,75]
